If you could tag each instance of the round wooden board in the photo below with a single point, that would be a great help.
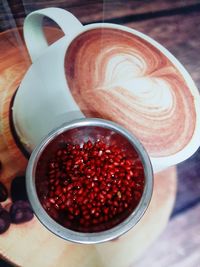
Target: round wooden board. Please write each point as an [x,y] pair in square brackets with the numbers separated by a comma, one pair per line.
[31,244]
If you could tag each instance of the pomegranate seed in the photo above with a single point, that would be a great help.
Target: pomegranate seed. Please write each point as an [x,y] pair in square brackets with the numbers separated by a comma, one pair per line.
[91,184]
[96,189]
[109,196]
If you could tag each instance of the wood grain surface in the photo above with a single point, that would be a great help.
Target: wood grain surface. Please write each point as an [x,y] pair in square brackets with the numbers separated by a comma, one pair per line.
[92,10]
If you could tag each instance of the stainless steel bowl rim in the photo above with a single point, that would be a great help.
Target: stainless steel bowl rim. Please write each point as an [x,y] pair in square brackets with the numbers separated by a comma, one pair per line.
[96,237]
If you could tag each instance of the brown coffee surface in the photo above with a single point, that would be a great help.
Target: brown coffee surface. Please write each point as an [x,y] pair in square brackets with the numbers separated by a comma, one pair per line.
[115,75]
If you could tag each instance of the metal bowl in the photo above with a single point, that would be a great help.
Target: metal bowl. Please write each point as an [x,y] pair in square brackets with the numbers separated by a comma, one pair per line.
[80,131]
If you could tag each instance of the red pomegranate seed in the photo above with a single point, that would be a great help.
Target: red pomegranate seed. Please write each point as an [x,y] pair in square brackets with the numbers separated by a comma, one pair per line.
[91,184]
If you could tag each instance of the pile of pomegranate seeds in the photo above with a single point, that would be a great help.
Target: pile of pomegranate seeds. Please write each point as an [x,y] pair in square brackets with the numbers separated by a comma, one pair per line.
[92,187]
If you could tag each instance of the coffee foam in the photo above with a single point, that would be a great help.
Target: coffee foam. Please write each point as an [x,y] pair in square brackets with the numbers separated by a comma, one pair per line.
[115,75]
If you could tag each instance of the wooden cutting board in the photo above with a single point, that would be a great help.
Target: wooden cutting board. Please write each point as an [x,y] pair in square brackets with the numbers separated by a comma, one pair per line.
[30,244]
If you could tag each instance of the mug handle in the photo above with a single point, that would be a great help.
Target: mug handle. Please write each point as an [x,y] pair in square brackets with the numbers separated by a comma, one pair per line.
[34,37]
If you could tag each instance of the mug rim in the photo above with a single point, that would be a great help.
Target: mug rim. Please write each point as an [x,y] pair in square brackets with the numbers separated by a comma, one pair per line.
[95,237]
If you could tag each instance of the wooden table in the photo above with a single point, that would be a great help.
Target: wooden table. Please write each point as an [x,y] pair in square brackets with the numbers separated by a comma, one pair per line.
[176,25]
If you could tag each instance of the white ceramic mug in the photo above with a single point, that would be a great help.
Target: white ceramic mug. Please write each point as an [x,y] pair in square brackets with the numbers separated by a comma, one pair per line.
[44,99]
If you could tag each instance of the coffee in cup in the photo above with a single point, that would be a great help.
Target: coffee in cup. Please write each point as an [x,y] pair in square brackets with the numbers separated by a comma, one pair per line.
[119,76]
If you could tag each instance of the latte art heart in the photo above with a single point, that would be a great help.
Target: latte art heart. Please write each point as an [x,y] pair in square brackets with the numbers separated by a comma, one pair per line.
[116,75]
